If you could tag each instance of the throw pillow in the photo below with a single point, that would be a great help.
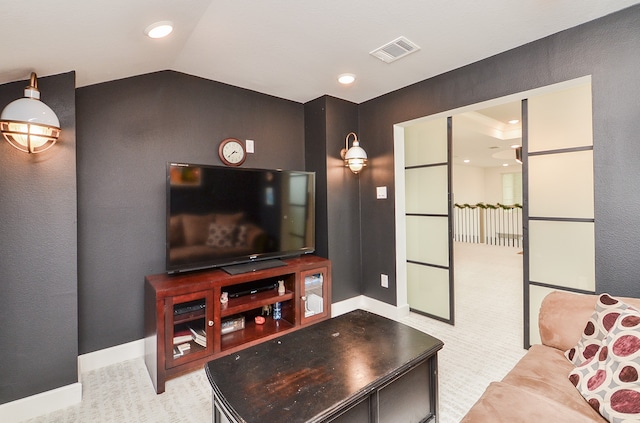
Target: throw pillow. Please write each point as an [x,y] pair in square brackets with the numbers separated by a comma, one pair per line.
[241,236]
[610,380]
[220,236]
[606,312]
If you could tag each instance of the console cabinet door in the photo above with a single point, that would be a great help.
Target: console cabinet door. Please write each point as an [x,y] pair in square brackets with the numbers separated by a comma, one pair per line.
[315,301]
[189,316]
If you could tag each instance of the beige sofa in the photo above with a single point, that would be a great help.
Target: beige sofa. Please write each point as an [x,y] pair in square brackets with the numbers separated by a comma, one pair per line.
[537,389]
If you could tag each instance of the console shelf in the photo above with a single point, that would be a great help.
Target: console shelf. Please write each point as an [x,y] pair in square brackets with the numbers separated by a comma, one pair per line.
[248,302]
[253,332]
[176,305]
[188,317]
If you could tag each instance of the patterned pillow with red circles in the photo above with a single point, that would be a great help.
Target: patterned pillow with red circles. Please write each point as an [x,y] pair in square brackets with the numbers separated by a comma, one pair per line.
[610,380]
[606,312]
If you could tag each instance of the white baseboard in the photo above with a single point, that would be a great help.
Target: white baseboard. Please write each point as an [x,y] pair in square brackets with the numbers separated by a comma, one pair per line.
[65,396]
[43,403]
[109,356]
[369,304]
[47,402]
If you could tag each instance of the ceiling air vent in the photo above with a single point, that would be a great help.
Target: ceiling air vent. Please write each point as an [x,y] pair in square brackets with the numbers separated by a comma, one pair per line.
[394,50]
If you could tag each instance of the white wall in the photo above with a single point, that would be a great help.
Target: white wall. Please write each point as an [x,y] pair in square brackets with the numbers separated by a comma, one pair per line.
[473,184]
[469,185]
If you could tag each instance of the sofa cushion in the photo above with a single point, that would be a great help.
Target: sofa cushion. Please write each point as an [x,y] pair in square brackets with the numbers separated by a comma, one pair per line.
[543,373]
[229,219]
[196,228]
[607,310]
[535,390]
[505,403]
[176,231]
[610,380]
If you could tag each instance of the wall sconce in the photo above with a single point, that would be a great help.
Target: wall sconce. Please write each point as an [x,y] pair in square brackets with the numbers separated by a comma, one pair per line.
[28,124]
[355,158]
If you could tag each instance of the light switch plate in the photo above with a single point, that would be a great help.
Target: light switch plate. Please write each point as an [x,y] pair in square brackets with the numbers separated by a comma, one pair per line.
[381,193]
[384,280]
[249,146]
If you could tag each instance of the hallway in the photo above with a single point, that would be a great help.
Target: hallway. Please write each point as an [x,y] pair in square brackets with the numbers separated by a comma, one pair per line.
[487,338]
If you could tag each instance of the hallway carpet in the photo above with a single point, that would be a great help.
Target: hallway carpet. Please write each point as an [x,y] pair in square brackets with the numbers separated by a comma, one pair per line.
[486,341]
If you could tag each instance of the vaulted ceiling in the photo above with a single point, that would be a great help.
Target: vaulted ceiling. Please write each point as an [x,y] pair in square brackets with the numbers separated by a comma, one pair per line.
[293,49]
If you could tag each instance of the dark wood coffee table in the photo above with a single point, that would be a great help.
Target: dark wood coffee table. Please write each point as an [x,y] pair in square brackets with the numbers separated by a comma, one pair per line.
[358,367]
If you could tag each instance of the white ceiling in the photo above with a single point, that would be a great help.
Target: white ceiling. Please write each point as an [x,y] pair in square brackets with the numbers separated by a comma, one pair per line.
[485,137]
[293,49]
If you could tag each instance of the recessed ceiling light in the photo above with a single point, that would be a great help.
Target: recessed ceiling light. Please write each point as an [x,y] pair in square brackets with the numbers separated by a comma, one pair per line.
[466,160]
[514,121]
[159,29]
[505,164]
[346,78]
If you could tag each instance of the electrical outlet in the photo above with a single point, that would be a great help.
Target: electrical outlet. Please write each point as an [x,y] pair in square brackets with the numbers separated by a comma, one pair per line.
[381,193]
[384,280]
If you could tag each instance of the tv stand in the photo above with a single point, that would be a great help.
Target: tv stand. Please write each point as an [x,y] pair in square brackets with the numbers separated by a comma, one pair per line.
[187,324]
[253,266]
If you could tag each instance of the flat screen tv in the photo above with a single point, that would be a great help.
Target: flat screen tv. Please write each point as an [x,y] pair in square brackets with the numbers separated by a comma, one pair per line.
[226,217]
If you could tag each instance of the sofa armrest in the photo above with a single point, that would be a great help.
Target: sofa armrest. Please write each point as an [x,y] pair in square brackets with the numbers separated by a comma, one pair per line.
[563,316]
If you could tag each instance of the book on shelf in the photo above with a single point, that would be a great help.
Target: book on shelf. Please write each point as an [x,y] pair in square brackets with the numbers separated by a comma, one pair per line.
[232,324]
[199,335]
[176,352]
[183,348]
[182,336]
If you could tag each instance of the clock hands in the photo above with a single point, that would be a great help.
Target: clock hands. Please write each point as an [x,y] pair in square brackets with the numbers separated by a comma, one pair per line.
[232,152]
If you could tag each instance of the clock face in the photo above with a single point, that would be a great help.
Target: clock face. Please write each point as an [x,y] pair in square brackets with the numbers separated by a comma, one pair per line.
[232,152]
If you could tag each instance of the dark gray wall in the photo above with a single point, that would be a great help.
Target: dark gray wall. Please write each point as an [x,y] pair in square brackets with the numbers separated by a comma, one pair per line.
[38,264]
[315,135]
[127,130]
[608,50]
[328,120]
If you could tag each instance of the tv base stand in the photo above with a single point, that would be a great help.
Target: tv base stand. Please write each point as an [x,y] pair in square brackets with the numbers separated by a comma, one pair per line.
[253,266]
[188,322]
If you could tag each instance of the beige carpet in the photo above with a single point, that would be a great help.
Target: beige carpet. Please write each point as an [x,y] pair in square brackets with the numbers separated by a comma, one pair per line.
[485,343]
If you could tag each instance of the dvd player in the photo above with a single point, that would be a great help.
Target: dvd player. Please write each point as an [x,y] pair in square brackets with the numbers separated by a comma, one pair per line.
[250,289]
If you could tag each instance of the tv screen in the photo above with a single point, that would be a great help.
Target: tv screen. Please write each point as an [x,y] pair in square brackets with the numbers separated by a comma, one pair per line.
[220,216]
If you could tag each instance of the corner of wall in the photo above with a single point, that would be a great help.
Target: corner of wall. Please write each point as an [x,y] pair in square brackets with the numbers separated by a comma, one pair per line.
[109,356]
[369,304]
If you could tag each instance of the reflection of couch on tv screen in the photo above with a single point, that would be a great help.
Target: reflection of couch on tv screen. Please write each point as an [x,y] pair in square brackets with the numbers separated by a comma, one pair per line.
[194,238]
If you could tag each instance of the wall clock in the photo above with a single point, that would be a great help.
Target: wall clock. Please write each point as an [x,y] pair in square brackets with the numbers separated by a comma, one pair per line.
[232,152]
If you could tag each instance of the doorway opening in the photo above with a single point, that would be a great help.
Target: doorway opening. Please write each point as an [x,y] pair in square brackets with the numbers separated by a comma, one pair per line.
[500,197]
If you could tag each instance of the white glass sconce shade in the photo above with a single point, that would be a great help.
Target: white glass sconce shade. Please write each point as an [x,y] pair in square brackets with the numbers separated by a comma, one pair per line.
[28,124]
[355,158]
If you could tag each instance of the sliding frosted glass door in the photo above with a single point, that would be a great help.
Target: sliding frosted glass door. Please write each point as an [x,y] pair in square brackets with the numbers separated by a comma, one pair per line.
[560,246]
[428,225]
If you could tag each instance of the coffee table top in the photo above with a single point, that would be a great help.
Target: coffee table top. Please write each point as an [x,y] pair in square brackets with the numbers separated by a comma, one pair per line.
[305,375]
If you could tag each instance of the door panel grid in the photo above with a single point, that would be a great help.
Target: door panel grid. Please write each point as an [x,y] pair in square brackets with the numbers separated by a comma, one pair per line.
[428,207]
